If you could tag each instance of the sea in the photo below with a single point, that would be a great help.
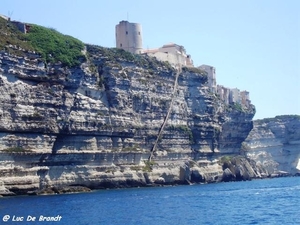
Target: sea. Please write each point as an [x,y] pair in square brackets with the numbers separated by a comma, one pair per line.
[267,201]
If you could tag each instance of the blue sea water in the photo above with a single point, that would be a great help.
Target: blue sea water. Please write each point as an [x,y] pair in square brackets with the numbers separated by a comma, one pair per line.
[269,201]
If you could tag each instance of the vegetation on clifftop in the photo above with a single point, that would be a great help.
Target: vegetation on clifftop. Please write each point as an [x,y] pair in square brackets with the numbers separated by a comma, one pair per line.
[55,46]
[10,35]
[49,43]
[115,56]
[194,70]
[281,117]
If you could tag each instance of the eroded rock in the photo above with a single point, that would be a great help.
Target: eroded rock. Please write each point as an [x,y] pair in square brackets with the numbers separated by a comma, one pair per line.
[274,144]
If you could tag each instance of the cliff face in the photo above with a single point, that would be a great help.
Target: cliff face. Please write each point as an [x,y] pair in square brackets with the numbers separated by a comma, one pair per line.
[275,144]
[96,124]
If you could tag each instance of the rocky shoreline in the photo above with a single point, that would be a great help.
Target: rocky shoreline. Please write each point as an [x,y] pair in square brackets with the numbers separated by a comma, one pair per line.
[147,175]
[82,189]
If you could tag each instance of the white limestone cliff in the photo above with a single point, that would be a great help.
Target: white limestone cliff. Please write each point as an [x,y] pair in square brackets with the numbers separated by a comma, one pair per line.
[275,144]
[95,125]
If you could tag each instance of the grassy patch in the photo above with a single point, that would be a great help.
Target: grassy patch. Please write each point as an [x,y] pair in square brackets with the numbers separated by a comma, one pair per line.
[54,46]
[116,55]
[238,107]
[225,159]
[194,70]
[147,168]
[134,148]
[49,43]
[10,35]
[185,129]
[15,150]
[136,168]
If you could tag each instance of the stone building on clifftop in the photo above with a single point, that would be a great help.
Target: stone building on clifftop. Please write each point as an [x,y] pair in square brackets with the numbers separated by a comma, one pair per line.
[129,37]
[211,75]
[173,53]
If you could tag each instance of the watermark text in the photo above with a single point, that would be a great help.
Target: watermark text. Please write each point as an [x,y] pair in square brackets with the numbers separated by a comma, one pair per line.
[31,218]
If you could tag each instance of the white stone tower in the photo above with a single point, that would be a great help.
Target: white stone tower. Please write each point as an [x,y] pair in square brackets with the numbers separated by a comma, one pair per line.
[129,37]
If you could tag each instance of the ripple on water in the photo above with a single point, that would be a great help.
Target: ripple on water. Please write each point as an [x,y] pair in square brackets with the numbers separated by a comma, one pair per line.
[273,201]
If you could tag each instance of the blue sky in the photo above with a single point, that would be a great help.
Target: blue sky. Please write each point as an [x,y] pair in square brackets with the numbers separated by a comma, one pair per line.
[254,45]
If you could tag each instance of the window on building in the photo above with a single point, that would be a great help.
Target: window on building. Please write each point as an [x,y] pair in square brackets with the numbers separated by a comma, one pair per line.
[139,33]
[126,32]
[121,45]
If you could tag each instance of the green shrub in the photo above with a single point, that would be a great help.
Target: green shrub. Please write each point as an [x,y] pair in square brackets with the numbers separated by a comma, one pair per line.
[147,168]
[238,106]
[113,55]
[14,150]
[54,46]
[10,35]
[185,129]
[136,168]
[194,70]
[225,159]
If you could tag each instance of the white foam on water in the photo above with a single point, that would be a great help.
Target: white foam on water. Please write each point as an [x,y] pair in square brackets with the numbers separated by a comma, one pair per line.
[298,165]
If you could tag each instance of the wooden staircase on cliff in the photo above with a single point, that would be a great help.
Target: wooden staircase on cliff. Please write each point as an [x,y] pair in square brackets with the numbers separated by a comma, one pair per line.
[167,115]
